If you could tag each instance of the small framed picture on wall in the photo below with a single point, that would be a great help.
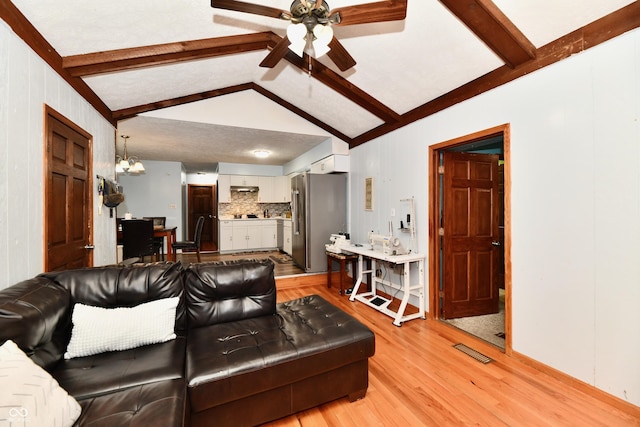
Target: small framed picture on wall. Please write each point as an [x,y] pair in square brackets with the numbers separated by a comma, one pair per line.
[368,193]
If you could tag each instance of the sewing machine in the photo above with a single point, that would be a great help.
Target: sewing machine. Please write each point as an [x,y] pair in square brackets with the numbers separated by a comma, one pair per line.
[388,245]
[339,242]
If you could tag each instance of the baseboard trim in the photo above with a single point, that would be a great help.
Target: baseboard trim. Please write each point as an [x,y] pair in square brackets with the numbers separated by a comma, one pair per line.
[584,387]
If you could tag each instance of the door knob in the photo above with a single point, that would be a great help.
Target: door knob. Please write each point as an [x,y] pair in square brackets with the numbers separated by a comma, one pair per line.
[495,243]
[89,247]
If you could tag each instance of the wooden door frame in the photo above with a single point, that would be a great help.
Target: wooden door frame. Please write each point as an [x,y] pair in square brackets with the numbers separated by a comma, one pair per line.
[48,111]
[434,215]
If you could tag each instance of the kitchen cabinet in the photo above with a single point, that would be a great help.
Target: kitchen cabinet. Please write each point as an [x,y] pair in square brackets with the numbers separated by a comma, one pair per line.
[266,189]
[243,180]
[331,164]
[287,237]
[269,237]
[224,192]
[225,236]
[282,189]
[246,235]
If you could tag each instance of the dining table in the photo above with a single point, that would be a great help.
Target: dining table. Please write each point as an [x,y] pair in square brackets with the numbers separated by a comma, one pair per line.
[170,234]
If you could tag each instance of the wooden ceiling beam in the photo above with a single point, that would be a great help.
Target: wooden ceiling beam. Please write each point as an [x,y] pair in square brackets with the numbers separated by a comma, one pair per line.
[341,85]
[167,53]
[32,37]
[127,113]
[493,27]
[301,113]
[602,30]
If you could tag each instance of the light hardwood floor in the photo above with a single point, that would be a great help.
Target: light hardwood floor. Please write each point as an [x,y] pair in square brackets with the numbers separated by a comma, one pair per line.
[416,378]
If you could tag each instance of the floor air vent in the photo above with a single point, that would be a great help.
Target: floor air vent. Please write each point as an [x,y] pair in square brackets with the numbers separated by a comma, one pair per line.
[471,352]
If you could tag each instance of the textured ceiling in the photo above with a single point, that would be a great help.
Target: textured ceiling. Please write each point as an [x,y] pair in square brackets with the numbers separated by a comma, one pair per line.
[402,65]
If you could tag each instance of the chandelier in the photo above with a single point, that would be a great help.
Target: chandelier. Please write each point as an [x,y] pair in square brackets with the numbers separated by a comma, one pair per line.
[126,164]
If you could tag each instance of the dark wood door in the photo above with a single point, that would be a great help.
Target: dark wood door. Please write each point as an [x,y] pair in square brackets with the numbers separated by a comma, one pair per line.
[68,196]
[202,203]
[471,212]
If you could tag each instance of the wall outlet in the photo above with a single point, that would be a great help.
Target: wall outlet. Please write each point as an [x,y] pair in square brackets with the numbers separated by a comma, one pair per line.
[393,211]
[172,206]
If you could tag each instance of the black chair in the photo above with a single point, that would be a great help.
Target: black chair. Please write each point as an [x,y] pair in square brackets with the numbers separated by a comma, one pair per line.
[158,222]
[137,239]
[192,244]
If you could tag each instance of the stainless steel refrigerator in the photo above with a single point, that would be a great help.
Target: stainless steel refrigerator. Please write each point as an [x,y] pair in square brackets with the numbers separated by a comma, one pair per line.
[318,209]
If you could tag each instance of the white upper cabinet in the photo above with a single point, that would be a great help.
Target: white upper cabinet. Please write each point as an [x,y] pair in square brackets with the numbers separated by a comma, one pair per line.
[224,193]
[282,189]
[266,192]
[243,180]
[331,164]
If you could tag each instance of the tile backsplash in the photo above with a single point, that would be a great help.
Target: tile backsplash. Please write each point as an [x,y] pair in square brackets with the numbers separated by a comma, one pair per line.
[247,203]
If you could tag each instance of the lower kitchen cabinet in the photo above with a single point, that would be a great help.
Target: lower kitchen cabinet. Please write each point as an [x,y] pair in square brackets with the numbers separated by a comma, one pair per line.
[243,235]
[226,236]
[269,234]
[246,235]
[287,237]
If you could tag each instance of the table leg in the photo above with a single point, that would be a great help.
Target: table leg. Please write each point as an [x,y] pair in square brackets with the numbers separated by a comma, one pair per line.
[358,281]
[342,265]
[405,298]
[329,268]
[171,238]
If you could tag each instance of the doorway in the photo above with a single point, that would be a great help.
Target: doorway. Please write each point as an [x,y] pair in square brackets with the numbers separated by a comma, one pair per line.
[202,202]
[470,279]
[68,201]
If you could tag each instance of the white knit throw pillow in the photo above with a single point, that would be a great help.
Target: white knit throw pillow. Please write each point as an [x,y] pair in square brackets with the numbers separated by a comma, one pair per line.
[98,330]
[29,395]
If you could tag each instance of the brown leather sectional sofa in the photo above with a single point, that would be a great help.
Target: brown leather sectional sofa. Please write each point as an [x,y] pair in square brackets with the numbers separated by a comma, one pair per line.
[238,359]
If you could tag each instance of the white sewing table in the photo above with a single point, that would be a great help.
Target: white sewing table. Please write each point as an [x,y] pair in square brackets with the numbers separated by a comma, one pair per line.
[372,299]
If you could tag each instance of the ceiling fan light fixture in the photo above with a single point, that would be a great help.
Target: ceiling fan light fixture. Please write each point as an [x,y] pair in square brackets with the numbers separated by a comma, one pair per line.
[296,33]
[323,36]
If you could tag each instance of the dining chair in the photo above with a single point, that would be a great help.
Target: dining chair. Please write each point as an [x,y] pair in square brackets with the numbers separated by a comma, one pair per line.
[192,244]
[137,239]
[158,242]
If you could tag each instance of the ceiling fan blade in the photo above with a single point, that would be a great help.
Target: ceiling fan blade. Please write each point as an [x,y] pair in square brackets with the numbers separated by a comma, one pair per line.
[390,10]
[339,55]
[256,9]
[276,54]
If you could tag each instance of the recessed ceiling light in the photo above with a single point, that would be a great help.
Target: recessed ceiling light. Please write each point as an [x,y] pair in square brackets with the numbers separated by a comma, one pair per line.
[261,154]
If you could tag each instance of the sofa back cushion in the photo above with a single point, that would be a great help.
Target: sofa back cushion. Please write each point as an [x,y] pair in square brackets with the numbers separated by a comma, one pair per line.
[117,286]
[30,315]
[219,292]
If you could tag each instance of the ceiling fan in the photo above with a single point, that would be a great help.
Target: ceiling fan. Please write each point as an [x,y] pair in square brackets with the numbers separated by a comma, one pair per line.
[310,30]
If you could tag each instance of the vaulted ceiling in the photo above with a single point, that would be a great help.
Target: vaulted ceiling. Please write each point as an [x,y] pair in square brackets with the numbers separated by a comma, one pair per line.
[183,79]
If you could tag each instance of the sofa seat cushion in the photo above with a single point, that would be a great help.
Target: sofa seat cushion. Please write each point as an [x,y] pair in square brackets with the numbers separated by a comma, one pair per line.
[155,404]
[305,337]
[102,373]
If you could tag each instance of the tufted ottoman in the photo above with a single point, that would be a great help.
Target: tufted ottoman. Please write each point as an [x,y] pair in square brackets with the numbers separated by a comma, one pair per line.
[254,370]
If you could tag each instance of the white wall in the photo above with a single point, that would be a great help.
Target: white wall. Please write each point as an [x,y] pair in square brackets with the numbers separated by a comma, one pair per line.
[157,192]
[575,162]
[26,84]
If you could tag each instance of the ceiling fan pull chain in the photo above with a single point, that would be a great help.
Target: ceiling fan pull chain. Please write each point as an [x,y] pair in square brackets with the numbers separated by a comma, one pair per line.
[309,59]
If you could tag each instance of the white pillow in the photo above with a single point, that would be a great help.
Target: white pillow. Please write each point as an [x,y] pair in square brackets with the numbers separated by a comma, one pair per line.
[97,330]
[29,394]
